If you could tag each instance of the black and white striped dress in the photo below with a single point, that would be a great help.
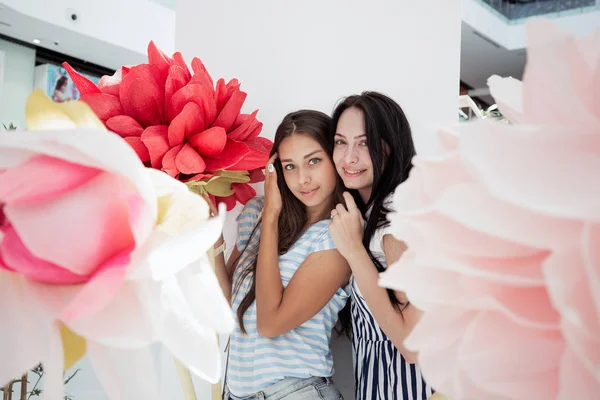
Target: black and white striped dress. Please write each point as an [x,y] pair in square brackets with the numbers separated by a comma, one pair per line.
[380,371]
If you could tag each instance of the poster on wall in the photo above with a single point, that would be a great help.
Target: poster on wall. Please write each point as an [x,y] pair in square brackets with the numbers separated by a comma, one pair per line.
[56,83]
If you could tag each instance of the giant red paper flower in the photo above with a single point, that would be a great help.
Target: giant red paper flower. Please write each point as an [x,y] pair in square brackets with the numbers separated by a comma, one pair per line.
[179,121]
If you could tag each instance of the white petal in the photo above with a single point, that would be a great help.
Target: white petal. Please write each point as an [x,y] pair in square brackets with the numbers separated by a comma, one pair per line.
[53,363]
[122,323]
[124,373]
[192,341]
[25,328]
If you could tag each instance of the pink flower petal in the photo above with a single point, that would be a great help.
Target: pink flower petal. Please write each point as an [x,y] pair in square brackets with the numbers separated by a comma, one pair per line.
[93,218]
[501,157]
[557,73]
[98,292]
[46,177]
[17,257]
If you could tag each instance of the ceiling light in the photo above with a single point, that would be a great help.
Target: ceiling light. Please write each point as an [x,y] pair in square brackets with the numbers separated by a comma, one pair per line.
[37,41]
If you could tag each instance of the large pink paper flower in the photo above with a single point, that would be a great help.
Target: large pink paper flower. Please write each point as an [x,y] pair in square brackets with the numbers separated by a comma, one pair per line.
[101,255]
[503,234]
[178,121]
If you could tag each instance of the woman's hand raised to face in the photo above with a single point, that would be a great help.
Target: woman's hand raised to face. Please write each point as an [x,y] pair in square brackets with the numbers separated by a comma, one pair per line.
[273,202]
[346,226]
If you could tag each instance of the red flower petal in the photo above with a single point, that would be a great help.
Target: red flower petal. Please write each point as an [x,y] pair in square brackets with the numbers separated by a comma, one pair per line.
[224,92]
[233,152]
[231,110]
[179,61]
[243,192]
[201,75]
[110,84]
[260,143]
[243,126]
[257,157]
[160,60]
[139,147]
[83,84]
[155,138]
[209,143]
[105,106]
[199,94]
[188,161]
[124,125]
[142,98]
[176,80]
[188,122]
[229,201]
[168,161]
[256,175]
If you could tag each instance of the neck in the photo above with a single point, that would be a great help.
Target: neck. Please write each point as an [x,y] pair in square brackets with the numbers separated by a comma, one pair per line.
[318,212]
[365,193]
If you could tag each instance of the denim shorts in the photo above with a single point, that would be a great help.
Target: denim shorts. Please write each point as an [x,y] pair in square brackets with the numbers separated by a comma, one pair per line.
[294,389]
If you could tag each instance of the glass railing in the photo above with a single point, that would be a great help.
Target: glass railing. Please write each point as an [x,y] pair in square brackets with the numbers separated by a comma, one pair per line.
[517,11]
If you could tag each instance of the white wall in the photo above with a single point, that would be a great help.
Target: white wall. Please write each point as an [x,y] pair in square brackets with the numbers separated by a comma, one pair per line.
[16,83]
[309,54]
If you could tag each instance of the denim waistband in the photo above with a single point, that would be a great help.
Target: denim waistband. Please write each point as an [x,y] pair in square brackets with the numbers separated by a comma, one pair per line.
[281,389]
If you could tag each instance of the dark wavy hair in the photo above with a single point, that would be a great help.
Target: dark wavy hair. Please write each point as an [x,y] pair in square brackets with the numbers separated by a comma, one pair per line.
[293,216]
[391,147]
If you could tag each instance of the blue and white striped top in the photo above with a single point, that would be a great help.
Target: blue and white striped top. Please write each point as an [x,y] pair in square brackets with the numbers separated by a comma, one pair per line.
[256,362]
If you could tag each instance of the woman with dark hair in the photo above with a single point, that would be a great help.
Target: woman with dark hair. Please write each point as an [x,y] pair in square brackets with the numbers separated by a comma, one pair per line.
[373,149]
[59,95]
[288,291]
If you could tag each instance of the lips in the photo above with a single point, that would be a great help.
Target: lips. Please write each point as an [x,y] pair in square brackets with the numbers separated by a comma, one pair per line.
[309,192]
[352,173]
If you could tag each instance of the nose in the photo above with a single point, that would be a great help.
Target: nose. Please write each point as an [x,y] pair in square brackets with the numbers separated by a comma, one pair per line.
[303,177]
[350,156]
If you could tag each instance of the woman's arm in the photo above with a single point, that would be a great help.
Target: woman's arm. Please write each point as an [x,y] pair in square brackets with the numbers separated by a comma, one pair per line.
[347,229]
[394,324]
[279,309]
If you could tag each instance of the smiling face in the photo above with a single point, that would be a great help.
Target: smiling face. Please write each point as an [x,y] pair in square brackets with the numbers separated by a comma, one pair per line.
[308,171]
[351,154]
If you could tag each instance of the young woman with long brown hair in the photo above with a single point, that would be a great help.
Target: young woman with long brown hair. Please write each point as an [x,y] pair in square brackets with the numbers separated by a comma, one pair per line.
[285,279]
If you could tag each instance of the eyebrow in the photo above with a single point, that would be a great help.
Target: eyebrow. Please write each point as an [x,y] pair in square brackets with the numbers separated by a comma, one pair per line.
[355,137]
[305,157]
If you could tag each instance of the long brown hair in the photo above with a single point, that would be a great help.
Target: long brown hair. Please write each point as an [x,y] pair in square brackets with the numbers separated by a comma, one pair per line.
[293,216]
